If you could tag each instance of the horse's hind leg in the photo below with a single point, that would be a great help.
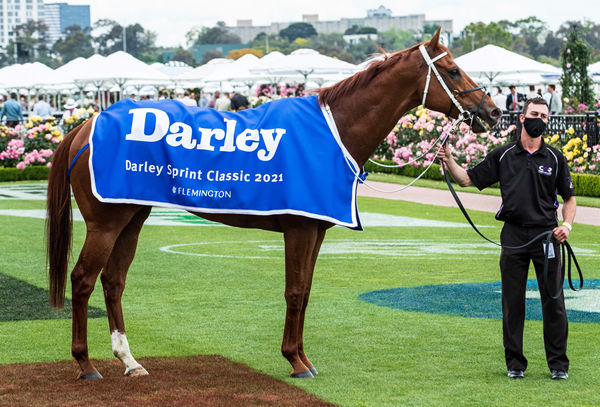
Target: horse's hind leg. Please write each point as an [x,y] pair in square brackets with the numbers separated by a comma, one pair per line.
[94,254]
[307,287]
[113,282]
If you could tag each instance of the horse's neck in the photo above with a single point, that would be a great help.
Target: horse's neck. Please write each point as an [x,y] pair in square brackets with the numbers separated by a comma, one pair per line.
[368,115]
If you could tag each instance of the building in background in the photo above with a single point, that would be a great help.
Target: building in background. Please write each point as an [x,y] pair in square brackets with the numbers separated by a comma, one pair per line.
[59,16]
[17,12]
[380,18]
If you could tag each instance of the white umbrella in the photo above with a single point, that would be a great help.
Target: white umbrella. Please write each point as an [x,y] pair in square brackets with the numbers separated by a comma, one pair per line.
[200,72]
[237,71]
[172,68]
[30,75]
[490,61]
[307,62]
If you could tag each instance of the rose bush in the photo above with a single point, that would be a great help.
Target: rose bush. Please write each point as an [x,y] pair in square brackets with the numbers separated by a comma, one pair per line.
[31,144]
[417,131]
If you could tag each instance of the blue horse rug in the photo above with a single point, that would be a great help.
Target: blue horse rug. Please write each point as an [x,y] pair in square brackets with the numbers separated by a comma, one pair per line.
[284,157]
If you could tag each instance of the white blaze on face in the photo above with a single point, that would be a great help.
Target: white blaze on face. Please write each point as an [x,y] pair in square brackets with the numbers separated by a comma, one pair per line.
[120,348]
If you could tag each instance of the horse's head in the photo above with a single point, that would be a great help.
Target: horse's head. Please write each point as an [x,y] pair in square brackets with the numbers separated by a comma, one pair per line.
[453,89]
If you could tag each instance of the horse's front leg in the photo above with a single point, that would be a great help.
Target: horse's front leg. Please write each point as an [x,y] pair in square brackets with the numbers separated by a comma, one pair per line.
[307,287]
[300,236]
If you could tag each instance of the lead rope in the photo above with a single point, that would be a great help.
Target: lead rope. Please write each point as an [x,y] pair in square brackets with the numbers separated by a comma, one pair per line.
[361,176]
[547,236]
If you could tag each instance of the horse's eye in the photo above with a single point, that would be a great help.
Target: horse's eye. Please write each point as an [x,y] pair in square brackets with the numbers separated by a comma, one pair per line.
[454,72]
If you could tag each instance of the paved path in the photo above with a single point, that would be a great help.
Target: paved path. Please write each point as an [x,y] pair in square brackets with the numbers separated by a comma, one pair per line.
[487,203]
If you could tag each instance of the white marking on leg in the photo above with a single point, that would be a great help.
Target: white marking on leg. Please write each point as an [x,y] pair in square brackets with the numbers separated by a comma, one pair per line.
[120,348]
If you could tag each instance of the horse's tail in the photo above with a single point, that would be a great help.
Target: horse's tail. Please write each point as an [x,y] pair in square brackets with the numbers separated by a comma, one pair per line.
[59,221]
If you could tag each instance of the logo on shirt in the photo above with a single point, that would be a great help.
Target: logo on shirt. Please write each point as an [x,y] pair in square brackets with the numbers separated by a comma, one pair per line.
[545,170]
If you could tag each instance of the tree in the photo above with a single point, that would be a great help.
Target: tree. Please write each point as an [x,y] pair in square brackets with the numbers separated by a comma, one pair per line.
[551,47]
[215,35]
[184,55]
[238,53]
[111,37]
[210,54]
[29,43]
[352,30]
[140,42]
[575,58]
[77,43]
[329,44]
[362,50]
[355,29]
[396,40]
[298,30]
[274,42]
[531,30]
[479,34]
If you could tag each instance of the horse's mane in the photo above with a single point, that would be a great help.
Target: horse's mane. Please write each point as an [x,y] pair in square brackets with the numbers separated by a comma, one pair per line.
[330,95]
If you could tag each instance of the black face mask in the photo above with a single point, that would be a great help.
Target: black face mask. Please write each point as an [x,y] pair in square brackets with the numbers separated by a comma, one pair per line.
[534,126]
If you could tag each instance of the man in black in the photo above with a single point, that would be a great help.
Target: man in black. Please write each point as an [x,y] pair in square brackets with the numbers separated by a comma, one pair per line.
[239,102]
[530,173]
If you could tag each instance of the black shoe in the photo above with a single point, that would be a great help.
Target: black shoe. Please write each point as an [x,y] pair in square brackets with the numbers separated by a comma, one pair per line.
[559,375]
[516,374]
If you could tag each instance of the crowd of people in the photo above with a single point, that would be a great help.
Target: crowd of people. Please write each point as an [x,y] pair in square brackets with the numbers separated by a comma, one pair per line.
[13,107]
[513,101]
[228,101]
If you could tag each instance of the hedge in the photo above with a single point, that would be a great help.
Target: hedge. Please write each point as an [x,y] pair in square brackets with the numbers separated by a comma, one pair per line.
[34,172]
[584,184]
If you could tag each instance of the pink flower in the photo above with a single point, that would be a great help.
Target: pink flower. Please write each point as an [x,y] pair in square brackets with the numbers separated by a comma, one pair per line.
[21,166]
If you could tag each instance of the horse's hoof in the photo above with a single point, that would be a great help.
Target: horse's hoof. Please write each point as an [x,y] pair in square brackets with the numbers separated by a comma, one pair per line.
[138,371]
[95,375]
[303,375]
[313,370]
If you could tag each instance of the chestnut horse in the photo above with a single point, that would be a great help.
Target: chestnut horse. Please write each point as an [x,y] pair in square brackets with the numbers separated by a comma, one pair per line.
[365,107]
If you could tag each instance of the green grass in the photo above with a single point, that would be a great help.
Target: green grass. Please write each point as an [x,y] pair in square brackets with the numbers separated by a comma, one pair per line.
[590,201]
[367,355]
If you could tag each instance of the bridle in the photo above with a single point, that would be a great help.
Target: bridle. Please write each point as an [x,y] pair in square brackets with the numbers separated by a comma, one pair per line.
[452,94]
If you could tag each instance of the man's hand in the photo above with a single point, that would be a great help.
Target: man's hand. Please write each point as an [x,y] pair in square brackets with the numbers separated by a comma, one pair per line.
[444,153]
[561,233]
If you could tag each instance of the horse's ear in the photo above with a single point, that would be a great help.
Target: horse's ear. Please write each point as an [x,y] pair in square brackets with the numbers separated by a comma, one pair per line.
[433,42]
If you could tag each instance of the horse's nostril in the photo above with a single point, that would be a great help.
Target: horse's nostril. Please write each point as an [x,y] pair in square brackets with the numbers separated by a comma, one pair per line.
[496,112]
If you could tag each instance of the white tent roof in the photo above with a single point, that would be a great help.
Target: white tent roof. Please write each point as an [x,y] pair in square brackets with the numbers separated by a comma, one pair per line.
[307,62]
[523,79]
[238,70]
[490,61]
[118,68]
[200,72]
[172,68]
[594,69]
[30,75]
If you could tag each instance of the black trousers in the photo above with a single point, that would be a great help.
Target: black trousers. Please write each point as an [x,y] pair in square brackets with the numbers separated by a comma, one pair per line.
[514,266]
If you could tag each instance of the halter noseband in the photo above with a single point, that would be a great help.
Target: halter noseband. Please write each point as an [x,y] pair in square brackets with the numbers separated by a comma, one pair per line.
[463,114]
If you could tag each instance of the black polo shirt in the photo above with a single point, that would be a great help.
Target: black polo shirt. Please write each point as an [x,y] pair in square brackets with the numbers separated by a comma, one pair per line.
[528,182]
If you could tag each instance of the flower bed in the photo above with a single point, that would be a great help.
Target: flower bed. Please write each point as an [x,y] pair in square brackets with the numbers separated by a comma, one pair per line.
[29,145]
[418,131]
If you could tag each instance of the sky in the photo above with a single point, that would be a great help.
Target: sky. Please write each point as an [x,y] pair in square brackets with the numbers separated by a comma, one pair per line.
[172,19]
